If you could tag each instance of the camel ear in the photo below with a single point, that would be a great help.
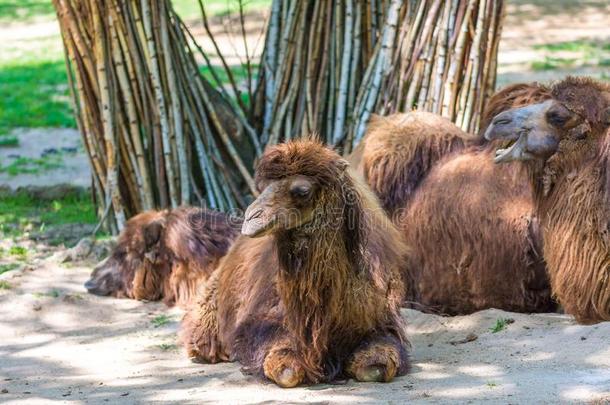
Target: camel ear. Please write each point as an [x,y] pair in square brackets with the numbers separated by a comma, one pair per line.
[606,116]
[342,164]
[152,233]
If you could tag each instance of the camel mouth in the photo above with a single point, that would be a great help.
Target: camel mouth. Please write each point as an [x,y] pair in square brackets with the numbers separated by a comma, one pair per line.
[257,227]
[516,150]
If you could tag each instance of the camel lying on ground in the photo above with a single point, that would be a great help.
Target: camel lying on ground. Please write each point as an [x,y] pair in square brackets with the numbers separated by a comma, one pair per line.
[563,143]
[165,255]
[474,240]
[311,291]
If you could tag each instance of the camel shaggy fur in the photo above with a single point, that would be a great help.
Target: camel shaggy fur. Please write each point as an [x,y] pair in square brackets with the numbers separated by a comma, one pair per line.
[564,144]
[474,239]
[312,290]
[165,255]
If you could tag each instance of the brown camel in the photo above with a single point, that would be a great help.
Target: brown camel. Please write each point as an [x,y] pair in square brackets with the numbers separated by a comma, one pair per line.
[469,224]
[164,255]
[312,290]
[563,143]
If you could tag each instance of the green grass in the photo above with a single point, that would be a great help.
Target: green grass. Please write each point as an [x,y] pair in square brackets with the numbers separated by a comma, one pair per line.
[12,11]
[160,320]
[580,45]
[21,211]
[562,55]
[18,251]
[24,11]
[51,294]
[24,165]
[7,141]
[552,63]
[33,80]
[8,267]
[189,9]
[34,94]
[501,324]
[4,285]
[167,347]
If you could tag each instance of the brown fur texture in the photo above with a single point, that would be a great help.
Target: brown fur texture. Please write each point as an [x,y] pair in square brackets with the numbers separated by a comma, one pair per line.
[165,255]
[399,150]
[572,199]
[475,241]
[317,296]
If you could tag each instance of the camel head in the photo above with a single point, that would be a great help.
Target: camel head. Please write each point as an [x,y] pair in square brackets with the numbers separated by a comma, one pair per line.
[295,180]
[283,204]
[133,270]
[578,110]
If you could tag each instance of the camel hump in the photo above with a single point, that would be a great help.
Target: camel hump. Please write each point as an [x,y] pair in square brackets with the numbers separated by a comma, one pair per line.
[399,150]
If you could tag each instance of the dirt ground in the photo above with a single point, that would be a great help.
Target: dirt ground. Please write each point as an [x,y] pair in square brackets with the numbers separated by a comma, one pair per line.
[58,343]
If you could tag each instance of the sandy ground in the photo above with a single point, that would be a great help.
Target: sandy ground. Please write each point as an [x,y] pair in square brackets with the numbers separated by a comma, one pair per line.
[61,147]
[531,23]
[58,343]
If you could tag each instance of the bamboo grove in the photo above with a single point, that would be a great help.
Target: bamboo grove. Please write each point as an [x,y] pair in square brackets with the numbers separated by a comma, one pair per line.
[160,135]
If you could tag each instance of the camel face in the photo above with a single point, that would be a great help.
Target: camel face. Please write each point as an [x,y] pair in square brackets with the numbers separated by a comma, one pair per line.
[106,279]
[533,131]
[134,268]
[283,204]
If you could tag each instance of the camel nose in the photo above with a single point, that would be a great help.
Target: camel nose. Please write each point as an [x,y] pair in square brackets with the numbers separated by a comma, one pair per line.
[90,285]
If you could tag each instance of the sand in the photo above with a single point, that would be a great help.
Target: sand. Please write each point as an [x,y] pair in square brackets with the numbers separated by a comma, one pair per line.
[58,343]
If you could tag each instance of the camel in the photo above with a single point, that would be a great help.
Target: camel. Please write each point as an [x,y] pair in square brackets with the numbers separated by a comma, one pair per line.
[563,144]
[164,255]
[311,290]
[474,240]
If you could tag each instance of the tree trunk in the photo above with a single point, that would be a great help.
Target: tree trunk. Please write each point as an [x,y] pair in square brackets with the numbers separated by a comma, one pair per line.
[328,65]
[159,135]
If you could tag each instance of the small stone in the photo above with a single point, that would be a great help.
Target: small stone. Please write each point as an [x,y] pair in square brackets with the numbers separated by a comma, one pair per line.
[4,391]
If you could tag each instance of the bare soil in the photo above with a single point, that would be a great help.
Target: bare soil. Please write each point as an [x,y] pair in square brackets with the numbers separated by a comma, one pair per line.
[58,343]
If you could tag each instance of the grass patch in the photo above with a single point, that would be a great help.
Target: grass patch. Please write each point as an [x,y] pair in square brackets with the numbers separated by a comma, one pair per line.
[160,320]
[8,141]
[551,63]
[167,347]
[21,212]
[579,45]
[491,384]
[8,267]
[51,294]
[18,251]
[25,165]
[189,9]
[240,73]
[501,324]
[561,55]
[34,94]
[25,10]
[5,285]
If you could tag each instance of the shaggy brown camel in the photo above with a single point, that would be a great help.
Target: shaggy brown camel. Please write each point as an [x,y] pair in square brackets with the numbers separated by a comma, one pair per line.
[164,255]
[469,223]
[312,290]
[564,144]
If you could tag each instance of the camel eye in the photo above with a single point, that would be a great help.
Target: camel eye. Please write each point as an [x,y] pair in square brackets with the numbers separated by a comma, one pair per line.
[300,190]
[557,117]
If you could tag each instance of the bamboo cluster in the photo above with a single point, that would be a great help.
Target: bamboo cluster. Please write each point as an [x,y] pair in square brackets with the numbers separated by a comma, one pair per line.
[328,65]
[159,135]
[315,58]
[156,133]
[445,59]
